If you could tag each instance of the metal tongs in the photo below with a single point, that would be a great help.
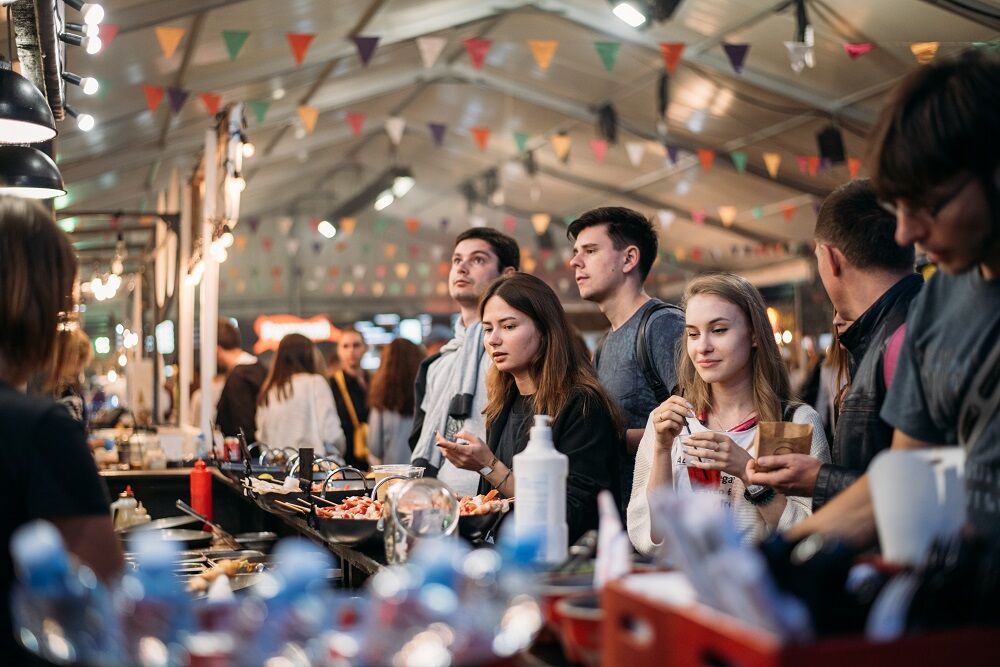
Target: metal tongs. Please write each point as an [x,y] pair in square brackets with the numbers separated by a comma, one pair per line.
[224,536]
[580,553]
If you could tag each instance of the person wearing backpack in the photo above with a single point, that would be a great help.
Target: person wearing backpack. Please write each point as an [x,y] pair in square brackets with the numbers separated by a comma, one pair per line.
[613,252]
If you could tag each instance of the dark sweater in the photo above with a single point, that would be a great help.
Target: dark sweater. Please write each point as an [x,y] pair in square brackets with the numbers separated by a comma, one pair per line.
[238,401]
[585,432]
[359,399]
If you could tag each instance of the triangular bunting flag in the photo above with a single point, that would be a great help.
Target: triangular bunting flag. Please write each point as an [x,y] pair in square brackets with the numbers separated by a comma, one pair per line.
[477,48]
[266,243]
[739,159]
[394,127]
[317,247]
[412,224]
[308,115]
[561,144]
[437,132]
[671,52]
[414,251]
[482,136]
[788,211]
[521,139]
[800,56]
[154,95]
[608,51]
[737,54]
[853,167]
[599,147]
[259,108]
[356,121]
[802,162]
[177,97]
[390,250]
[169,39]
[698,216]
[366,47]
[858,49]
[402,270]
[635,150]
[666,218]
[813,165]
[727,214]
[757,212]
[924,52]
[211,102]
[241,243]
[254,223]
[430,49]
[299,43]
[673,152]
[107,33]
[234,39]
[772,161]
[706,156]
[540,221]
[348,224]
[285,224]
[543,50]
[509,224]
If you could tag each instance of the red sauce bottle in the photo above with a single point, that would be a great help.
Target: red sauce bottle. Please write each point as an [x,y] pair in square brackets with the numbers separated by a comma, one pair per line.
[201,490]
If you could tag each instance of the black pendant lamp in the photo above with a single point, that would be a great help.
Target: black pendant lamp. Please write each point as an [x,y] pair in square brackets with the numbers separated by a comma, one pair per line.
[25,116]
[28,172]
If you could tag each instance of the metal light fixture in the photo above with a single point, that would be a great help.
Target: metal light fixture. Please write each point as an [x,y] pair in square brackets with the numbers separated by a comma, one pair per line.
[88,29]
[84,121]
[25,116]
[92,44]
[28,172]
[402,182]
[91,12]
[629,13]
[88,84]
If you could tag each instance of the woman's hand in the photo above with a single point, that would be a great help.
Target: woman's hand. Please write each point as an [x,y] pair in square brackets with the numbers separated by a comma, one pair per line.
[669,417]
[472,456]
[717,451]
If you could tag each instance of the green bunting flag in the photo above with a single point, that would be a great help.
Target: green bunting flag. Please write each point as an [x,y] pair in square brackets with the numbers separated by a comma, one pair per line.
[259,108]
[608,51]
[739,159]
[521,138]
[234,39]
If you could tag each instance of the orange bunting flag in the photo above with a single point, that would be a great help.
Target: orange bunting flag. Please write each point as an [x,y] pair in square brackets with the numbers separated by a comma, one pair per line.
[706,156]
[308,116]
[924,52]
[813,165]
[599,147]
[853,166]
[211,102]
[543,50]
[772,161]
[299,43]
[169,39]
[482,136]
[347,225]
[390,250]
[412,224]
[477,48]
[540,221]
[727,214]
[402,270]
[561,144]
[154,95]
[671,54]
[788,211]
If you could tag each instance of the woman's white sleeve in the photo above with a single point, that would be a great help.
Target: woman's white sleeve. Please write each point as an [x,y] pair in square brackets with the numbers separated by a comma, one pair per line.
[798,508]
[637,517]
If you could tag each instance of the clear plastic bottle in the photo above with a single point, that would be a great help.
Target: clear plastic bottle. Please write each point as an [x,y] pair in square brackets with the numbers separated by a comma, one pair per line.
[540,473]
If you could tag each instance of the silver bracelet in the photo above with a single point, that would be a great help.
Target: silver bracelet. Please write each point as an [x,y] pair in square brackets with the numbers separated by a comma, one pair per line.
[504,480]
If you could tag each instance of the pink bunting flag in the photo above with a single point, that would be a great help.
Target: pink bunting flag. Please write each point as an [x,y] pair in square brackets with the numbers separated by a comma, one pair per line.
[698,216]
[356,121]
[803,163]
[509,224]
[599,147]
[299,43]
[858,49]
[107,33]
[266,243]
[366,47]
[477,48]
[737,54]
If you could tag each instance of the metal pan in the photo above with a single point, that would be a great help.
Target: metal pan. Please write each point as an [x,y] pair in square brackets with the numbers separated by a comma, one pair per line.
[476,527]
[186,539]
[160,524]
[349,532]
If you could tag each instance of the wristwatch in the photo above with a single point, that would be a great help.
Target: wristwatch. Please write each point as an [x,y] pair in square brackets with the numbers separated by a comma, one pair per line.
[758,495]
[488,468]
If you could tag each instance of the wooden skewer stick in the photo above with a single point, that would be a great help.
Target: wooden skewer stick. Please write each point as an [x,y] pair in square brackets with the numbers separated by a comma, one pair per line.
[291,506]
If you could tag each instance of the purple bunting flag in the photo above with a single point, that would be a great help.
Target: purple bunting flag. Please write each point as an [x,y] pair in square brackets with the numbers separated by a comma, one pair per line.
[437,132]
[177,98]
[737,54]
[366,47]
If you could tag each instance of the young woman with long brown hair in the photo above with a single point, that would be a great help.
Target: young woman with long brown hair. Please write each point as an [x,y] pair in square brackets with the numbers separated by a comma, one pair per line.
[391,400]
[538,369]
[731,378]
[295,407]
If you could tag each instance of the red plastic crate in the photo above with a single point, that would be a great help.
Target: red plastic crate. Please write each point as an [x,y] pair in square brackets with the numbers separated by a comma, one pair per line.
[639,631]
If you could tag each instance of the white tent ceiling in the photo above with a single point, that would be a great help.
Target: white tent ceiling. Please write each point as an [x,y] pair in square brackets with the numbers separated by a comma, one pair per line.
[126,161]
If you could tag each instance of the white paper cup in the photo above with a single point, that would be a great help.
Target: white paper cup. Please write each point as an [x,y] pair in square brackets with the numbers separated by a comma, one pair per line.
[907,511]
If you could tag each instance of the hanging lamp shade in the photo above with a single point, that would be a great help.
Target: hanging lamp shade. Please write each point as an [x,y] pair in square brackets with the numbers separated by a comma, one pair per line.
[28,172]
[25,116]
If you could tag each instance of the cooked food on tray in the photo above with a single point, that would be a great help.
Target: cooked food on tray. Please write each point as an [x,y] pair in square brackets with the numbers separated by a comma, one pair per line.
[262,486]
[354,507]
[230,568]
[484,503]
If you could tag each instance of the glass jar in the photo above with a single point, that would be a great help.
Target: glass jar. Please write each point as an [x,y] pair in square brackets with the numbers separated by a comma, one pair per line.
[417,510]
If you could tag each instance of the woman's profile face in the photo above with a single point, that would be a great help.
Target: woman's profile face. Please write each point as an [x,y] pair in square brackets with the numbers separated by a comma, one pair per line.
[718,338]
[510,336]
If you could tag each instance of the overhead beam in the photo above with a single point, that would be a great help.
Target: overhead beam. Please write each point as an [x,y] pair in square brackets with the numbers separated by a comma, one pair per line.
[977,11]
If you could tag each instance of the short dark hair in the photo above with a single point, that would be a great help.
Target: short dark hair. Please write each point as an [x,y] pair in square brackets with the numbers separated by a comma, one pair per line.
[228,336]
[852,220]
[507,251]
[941,120]
[625,227]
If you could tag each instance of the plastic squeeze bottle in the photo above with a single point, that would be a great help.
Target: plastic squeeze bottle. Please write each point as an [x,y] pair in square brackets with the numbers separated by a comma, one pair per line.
[540,480]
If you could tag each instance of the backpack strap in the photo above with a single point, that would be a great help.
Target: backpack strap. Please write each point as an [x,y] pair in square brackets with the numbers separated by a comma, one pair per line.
[643,357]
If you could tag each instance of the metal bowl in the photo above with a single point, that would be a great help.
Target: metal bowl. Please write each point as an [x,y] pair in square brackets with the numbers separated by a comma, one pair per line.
[261,541]
[186,539]
[349,532]
[476,527]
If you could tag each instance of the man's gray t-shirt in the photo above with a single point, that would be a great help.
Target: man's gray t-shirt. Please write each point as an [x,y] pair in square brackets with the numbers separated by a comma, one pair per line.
[619,371]
[953,325]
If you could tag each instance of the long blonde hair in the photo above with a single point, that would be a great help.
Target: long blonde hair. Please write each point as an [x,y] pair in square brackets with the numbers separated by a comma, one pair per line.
[771,388]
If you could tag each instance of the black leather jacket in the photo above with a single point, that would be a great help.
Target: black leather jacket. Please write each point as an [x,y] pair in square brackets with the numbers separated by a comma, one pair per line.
[860,433]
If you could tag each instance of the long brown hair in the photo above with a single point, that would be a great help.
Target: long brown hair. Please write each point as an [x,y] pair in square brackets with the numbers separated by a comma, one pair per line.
[37,271]
[771,388]
[296,354]
[392,386]
[561,366]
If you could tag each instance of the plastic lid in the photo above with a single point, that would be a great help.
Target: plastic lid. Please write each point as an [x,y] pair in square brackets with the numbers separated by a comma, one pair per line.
[542,430]
[128,491]
[199,465]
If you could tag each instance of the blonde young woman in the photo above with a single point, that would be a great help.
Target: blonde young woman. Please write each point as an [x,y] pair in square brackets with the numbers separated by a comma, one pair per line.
[730,378]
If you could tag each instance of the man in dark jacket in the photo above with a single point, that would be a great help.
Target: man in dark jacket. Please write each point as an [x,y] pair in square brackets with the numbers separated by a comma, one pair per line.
[237,406]
[871,282]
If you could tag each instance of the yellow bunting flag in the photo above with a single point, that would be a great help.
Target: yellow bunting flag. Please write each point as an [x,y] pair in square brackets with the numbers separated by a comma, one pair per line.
[924,52]
[169,39]
[561,144]
[543,50]
[308,116]
[347,225]
[727,214]
[540,221]
[390,250]
[772,161]
[402,270]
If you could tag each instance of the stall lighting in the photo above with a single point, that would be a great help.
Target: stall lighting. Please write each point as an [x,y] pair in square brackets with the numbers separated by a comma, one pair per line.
[112,376]
[91,12]
[226,239]
[91,45]
[84,121]
[117,266]
[218,252]
[786,337]
[402,184]
[249,149]
[88,29]
[88,84]
[122,360]
[384,200]
[25,116]
[197,271]
[102,345]
[627,12]
[28,172]
[239,183]
[119,328]
[326,229]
